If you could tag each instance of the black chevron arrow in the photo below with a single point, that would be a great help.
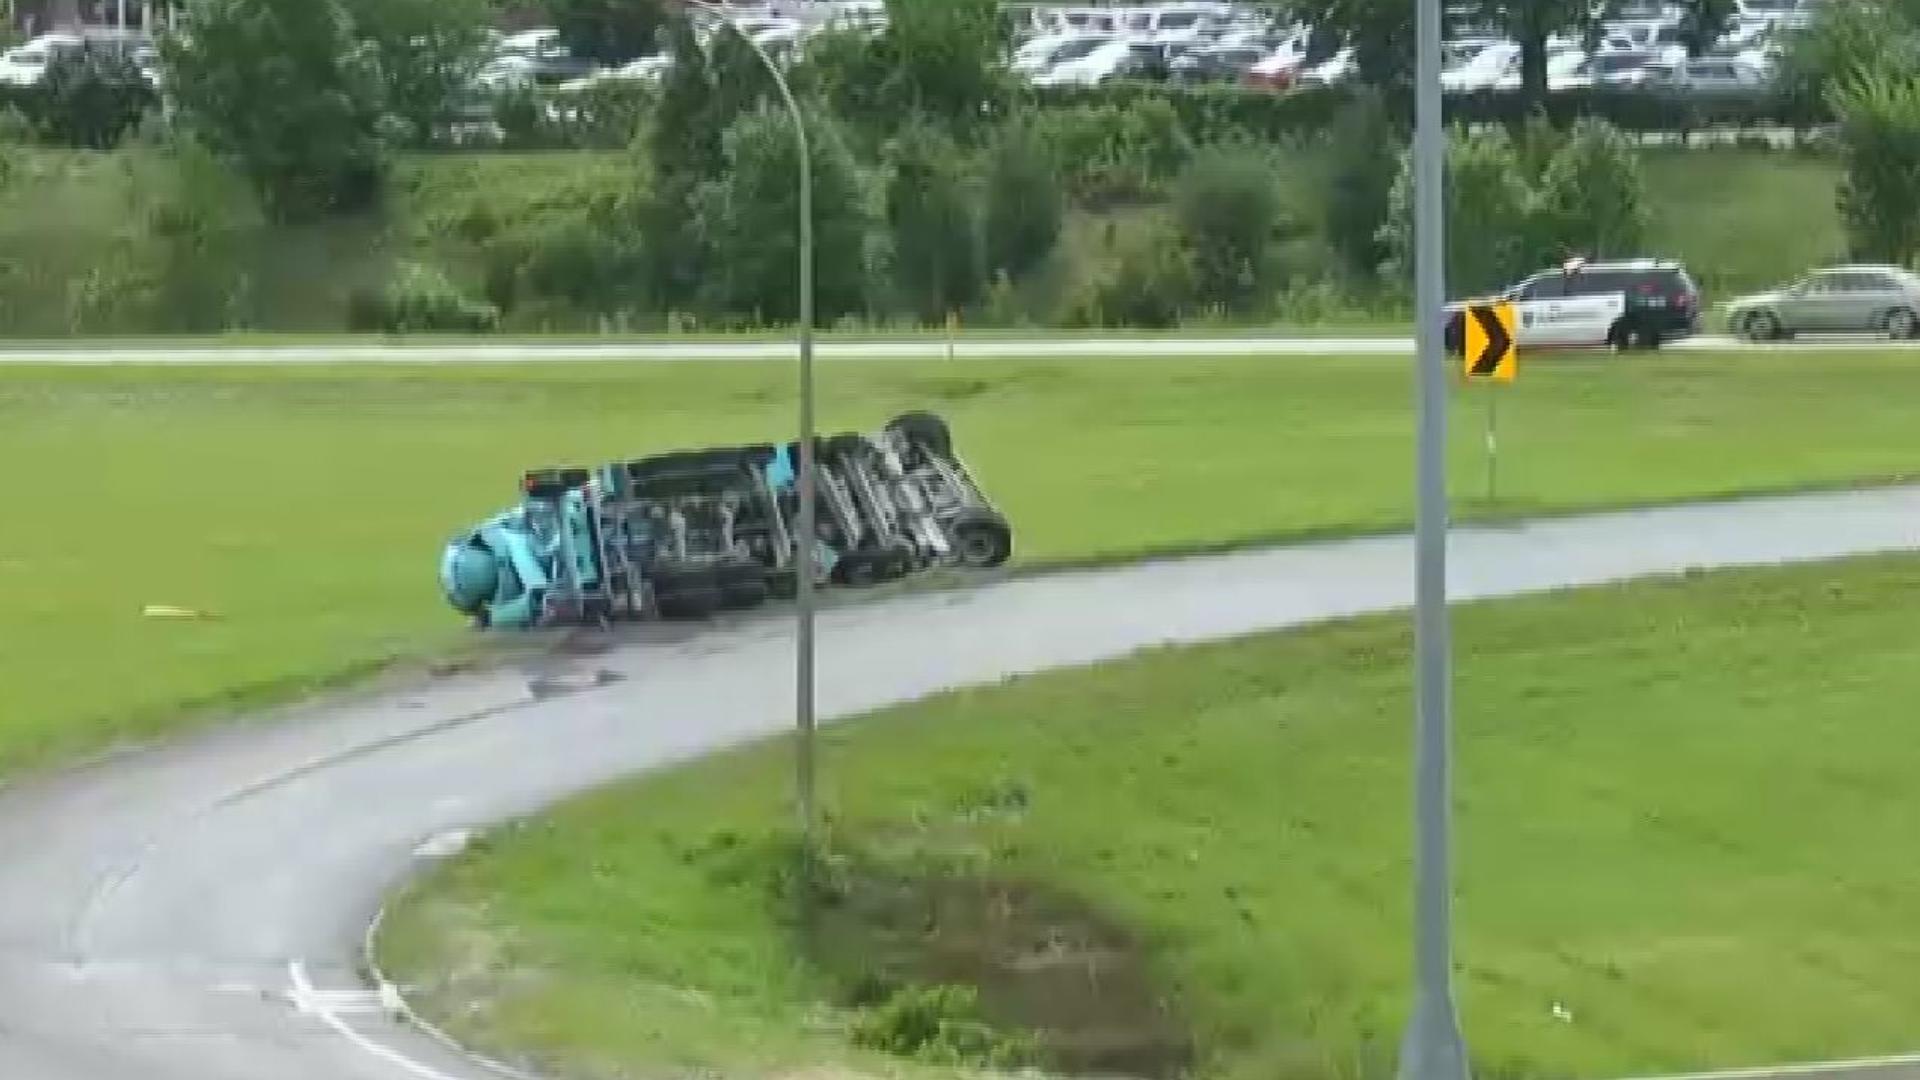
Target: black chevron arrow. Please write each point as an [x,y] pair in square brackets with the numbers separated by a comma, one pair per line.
[1488,362]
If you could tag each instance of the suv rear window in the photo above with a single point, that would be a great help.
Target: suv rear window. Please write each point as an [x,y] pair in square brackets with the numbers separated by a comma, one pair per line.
[1599,282]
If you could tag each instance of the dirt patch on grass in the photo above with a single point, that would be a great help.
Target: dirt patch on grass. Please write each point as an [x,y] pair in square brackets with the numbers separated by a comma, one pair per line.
[1044,967]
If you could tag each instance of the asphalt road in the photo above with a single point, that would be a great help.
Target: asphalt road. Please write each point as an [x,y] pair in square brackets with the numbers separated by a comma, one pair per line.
[465,352]
[197,912]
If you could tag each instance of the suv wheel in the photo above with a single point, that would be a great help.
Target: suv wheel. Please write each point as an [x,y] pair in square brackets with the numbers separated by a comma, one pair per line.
[1620,338]
[1902,325]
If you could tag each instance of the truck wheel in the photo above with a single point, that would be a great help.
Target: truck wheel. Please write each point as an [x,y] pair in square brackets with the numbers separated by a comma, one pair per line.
[926,429]
[686,594]
[857,569]
[982,542]
[902,560]
[743,586]
[847,445]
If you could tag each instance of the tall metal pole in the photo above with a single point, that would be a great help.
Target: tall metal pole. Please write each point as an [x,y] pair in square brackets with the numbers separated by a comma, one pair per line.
[803,680]
[807,529]
[1433,1049]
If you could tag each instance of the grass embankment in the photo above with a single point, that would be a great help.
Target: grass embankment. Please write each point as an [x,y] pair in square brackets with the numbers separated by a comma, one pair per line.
[1684,813]
[74,257]
[1743,220]
[306,505]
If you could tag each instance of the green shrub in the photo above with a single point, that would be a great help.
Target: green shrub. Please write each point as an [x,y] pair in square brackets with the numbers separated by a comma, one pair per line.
[202,226]
[1216,113]
[1592,198]
[1489,203]
[939,1025]
[420,299]
[1148,282]
[1229,208]
[934,222]
[1210,113]
[1024,203]
[1117,153]
[286,90]
[92,99]
[1513,204]
[594,266]
[1356,187]
[16,128]
[749,218]
[1879,194]
[606,115]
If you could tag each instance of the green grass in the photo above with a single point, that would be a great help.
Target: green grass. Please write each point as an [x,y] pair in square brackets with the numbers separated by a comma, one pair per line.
[306,505]
[1685,816]
[1743,220]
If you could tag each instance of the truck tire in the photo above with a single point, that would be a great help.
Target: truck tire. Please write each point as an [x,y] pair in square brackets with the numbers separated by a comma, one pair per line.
[683,593]
[902,560]
[924,429]
[743,585]
[858,569]
[981,541]
[847,445]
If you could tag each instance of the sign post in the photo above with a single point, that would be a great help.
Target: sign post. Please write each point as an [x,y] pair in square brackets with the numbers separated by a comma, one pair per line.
[1493,446]
[1491,356]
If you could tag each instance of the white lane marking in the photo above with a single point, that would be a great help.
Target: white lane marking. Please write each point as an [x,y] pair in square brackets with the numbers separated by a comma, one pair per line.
[1756,1072]
[313,1004]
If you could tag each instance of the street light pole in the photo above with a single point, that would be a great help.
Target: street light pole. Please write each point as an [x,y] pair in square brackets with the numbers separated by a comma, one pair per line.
[1433,1048]
[807,529]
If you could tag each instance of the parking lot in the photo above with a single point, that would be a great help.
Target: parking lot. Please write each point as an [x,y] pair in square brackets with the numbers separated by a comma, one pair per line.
[1643,46]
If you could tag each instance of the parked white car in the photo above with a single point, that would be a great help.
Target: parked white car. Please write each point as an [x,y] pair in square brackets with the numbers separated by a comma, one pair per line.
[1169,25]
[1109,60]
[1329,72]
[27,65]
[1484,71]
[1717,75]
[1280,68]
[1052,50]
[1561,63]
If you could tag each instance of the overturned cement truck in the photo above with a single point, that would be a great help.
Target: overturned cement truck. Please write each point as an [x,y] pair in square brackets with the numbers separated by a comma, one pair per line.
[685,534]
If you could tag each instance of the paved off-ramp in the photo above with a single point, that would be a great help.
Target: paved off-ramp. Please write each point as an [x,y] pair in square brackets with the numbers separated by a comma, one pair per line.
[428,351]
[197,912]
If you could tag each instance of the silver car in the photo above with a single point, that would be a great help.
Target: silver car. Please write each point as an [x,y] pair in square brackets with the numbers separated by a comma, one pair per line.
[1843,299]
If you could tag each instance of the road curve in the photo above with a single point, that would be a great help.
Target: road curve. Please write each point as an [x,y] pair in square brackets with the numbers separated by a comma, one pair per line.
[977,348]
[196,912]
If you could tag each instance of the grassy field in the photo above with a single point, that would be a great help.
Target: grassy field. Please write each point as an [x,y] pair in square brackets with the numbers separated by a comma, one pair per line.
[306,506]
[1685,812]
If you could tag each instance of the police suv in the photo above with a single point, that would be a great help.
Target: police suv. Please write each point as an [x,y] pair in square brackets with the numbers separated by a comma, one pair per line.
[1640,303]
